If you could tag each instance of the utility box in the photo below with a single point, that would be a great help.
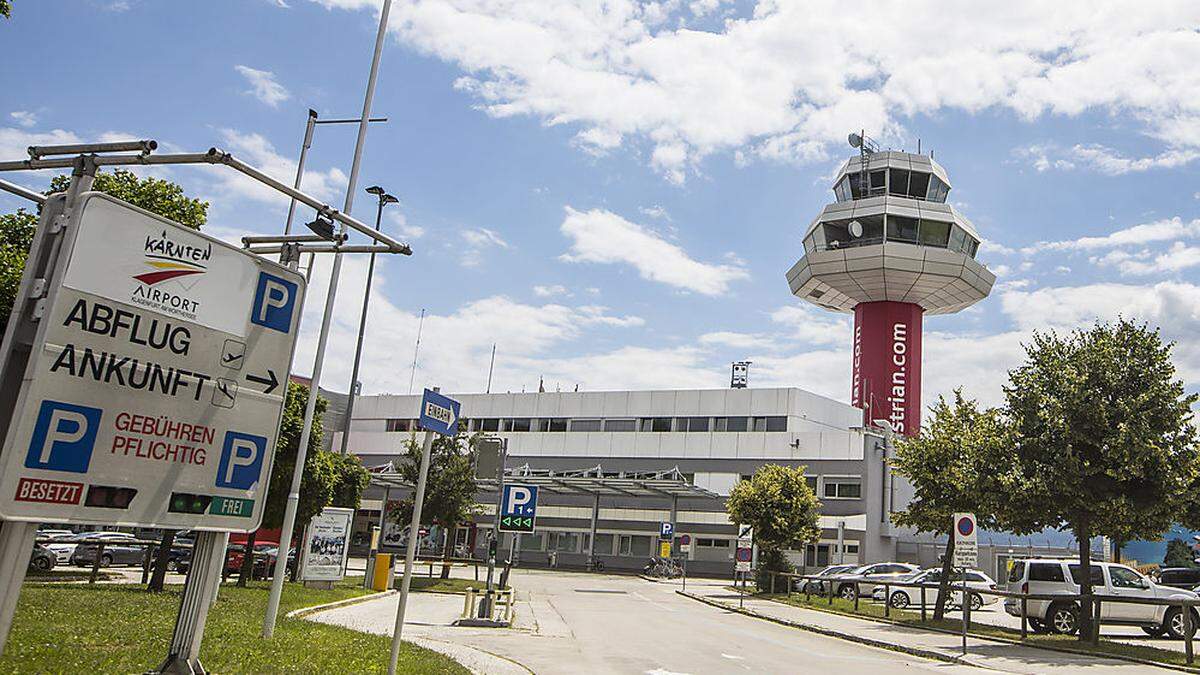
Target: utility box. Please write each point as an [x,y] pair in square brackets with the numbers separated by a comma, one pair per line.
[381,573]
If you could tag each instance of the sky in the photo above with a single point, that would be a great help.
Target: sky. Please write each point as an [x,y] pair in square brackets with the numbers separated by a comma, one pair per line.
[611,192]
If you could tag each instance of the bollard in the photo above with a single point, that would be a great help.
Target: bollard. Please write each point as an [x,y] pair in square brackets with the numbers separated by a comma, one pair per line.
[1187,634]
[807,584]
[830,593]
[773,575]
[1094,638]
[922,603]
[856,594]
[887,600]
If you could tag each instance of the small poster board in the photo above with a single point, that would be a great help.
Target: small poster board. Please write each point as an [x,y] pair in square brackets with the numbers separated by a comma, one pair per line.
[326,545]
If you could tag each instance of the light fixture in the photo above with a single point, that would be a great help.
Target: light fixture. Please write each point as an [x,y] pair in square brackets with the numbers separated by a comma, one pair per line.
[384,197]
[322,227]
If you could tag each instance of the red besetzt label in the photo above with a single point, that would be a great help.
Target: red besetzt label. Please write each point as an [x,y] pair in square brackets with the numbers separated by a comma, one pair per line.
[48,491]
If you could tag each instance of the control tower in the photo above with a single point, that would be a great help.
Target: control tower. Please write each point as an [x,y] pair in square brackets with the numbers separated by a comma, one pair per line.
[890,250]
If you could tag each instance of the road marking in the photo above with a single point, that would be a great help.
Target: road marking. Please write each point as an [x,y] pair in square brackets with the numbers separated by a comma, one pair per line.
[660,605]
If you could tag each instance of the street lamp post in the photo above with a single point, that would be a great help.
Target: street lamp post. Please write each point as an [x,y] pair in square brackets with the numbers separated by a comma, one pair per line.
[293,498]
[384,200]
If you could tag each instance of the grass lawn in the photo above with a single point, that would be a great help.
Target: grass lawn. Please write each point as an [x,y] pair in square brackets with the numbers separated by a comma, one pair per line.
[74,628]
[910,617]
[438,585]
[60,574]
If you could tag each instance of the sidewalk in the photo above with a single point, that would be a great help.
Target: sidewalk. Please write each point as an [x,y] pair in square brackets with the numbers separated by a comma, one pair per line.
[984,653]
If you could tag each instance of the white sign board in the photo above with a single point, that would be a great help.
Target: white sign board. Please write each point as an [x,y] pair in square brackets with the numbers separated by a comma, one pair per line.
[326,545]
[966,541]
[154,390]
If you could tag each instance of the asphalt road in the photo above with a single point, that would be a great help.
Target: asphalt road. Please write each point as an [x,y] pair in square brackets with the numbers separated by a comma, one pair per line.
[581,623]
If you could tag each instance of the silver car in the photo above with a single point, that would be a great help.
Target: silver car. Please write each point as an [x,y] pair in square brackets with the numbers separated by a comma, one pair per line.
[844,584]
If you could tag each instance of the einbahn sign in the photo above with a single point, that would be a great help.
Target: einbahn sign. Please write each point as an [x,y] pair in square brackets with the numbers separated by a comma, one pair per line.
[152,395]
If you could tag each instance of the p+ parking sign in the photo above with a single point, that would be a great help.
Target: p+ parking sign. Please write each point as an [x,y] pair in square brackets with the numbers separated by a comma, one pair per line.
[518,508]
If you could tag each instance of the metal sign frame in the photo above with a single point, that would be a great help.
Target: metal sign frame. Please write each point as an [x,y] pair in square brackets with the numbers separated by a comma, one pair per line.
[66,435]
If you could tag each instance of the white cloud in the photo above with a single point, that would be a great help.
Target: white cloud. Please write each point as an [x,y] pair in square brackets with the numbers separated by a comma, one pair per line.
[478,241]
[738,340]
[1101,158]
[547,291]
[23,118]
[1179,257]
[258,151]
[263,86]
[814,326]
[601,236]
[655,211]
[637,72]
[1168,229]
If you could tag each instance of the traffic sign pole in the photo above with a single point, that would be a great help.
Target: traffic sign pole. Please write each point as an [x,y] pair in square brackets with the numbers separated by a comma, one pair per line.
[410,552]
[485,607]
[16,541]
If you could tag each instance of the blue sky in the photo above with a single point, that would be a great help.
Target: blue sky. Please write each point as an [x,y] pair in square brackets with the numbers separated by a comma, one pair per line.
[612,195]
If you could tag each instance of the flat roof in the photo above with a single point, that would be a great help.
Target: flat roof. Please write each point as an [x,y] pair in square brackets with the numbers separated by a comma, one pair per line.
[577,485]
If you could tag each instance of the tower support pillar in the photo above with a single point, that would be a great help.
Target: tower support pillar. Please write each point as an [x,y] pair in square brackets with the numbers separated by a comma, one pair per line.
[886,379]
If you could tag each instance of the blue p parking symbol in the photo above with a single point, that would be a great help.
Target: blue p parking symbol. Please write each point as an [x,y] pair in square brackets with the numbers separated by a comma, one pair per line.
[63,437]
[241,460]
[274,300]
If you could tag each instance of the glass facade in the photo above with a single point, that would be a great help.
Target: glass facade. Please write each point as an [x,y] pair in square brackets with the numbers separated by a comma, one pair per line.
[839,234]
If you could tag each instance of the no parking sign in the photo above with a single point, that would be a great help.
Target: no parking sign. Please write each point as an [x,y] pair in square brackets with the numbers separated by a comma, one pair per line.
[966,540]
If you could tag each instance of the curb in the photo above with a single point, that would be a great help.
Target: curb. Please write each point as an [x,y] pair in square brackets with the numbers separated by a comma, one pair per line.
[890,646]
[305,611]
[929,653]
[1049,648]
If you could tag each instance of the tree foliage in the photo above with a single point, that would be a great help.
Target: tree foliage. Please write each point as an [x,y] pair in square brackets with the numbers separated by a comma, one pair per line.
[350,481]
[316,485]
[1103,438]
[153,194]
[779,505]
[956,464]
[16,235]
[6,9]
[1179,554]
[449,486]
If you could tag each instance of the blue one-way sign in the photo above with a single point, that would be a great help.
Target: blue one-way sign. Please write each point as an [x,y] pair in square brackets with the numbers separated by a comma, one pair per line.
[518,508]
[439,413]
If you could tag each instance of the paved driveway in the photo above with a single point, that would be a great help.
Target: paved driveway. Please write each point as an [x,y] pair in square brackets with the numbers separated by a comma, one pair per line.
[582,623]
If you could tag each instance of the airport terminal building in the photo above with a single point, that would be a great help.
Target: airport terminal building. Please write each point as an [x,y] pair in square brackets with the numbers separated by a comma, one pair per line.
[711,437]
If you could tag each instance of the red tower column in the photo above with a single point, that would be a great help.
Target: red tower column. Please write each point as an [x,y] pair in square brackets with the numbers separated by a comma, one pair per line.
[886,382]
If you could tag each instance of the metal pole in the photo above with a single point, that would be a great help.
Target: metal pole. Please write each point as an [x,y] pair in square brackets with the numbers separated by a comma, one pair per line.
[304,146]
[416,350]
[362,329]
[485,608]
[199,591]
[491,367]
[410,552]
[41,198]
[966,611]
[293,500]
[16,540]
[592,541]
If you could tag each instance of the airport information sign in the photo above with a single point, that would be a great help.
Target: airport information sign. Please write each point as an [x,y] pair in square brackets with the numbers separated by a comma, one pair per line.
[154,389]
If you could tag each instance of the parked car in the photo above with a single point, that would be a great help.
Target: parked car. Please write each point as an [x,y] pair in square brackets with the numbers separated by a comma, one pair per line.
[844,584]
[42,559]
[264,566]
[119,549]
[1061,577]
[902,597]
[62,545]
[820,585]
[1179,577]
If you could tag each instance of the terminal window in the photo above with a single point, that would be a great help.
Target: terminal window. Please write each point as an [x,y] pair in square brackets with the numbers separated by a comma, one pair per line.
[656,424]
[843,488]
[395,425]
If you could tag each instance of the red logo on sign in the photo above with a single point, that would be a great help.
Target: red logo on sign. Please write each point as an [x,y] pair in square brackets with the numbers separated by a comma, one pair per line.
[48,491]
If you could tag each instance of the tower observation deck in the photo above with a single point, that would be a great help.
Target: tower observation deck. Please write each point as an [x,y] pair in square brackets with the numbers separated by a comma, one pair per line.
[890,250]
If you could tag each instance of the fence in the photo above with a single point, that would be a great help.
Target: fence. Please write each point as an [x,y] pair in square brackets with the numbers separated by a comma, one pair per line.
[1187,607]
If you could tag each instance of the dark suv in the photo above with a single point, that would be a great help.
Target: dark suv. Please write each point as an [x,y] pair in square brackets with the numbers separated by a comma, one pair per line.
[1180,577]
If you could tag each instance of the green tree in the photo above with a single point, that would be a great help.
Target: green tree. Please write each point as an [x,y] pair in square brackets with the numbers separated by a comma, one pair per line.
[449,487]
[316,483]
[777,502]
[1103,439]
[956,464]
[6,9]
[153,194]
[16,235]
[350,480]
[1179,554]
